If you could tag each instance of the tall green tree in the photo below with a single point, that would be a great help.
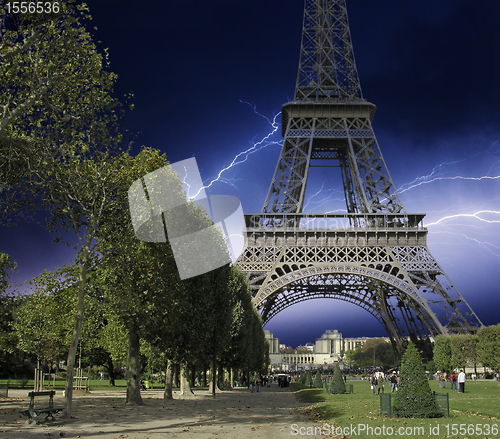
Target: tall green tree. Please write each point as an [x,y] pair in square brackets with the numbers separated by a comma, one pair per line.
[235,355]
[338,385]
[37,328]
[463,351]
[488,347]
[140,279]
[9,303]
[414,398]
[442,353]
[58,132]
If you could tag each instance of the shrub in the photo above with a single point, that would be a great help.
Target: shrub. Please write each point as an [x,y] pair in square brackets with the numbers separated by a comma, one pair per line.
[309,380]
[338,385]
[414,398]
[317,380]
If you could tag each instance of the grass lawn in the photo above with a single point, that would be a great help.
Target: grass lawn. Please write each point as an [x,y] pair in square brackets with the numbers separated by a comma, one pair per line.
[478,409]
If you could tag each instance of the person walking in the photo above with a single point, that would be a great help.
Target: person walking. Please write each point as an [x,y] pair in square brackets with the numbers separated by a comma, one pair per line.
[380,384]
[259,384]
[453,380]
[373,382]
[441,381]
[394,381]
[461,381]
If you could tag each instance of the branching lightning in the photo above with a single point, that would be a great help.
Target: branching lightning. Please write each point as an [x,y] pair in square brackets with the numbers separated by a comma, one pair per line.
[484,244]
[476,215]
[458,177]
[243,156]
[323,200]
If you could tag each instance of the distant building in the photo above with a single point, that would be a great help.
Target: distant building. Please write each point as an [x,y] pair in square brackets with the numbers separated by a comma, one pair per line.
[326,351]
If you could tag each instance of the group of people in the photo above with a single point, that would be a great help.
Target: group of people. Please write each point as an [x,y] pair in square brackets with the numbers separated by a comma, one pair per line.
[377,382]
[454,381]
[259,382]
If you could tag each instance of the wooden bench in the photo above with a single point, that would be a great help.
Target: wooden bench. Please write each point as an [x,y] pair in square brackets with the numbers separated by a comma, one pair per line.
[31,412]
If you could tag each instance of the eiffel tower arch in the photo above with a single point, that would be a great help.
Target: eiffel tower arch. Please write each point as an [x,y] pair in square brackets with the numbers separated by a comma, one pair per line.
[375,254]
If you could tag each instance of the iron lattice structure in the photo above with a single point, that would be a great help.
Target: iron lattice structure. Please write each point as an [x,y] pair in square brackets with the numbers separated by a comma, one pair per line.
[376,254]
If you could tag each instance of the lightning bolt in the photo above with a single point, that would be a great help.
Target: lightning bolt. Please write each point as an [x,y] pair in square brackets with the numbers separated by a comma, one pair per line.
[483,244]
[242,157]
[458,177]
[423,178]
[323,200]
[476,215]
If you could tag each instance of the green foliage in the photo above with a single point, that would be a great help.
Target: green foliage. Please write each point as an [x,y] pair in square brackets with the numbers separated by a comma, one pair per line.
[8,306]
[458,351]
[7,266]
[463,350]
[488,347]
[431,367]
[247,347]
[350,357]
[37,327]
[318,383]
[56,104]
[414,398]
[376,352]
[338,385]
[308,382]
[442,353]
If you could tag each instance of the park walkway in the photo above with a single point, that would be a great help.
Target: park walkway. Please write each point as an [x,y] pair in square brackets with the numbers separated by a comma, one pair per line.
[232,414]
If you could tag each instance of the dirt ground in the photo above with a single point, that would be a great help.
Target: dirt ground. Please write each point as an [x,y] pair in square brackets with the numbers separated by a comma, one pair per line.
[232,414]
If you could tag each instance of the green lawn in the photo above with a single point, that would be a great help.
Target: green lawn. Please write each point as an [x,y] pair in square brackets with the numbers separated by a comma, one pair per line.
[479,405]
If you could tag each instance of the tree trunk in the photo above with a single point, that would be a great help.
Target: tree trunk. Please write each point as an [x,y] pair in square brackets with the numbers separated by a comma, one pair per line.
[232,374]
[192,376]
[80,313]
[184,376]
[176,375]
[167,394]
[220,377]
[133,369]
[211,382]
[111,370]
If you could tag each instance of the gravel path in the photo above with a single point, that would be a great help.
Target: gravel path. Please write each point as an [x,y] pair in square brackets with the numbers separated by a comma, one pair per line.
[232,414]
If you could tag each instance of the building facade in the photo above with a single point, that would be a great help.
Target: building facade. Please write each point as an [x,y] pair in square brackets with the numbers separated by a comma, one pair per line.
[326,351]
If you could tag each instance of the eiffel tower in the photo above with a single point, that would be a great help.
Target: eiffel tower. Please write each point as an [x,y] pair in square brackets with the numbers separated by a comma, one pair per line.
[375,255]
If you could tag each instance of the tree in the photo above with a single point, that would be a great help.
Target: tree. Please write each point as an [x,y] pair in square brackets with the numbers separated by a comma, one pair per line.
[442,353]
[338,384]
[350,357]
[235,354]
[111,343]
[318,383]
[143,285]
[463,350]
[10,356]
[414,397]
[488,347]
[7,266]
[57,131]
[308,382]
[378,352]
[37,328]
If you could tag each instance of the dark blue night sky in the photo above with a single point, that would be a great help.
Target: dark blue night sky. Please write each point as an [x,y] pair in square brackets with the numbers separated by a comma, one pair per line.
[432,68]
